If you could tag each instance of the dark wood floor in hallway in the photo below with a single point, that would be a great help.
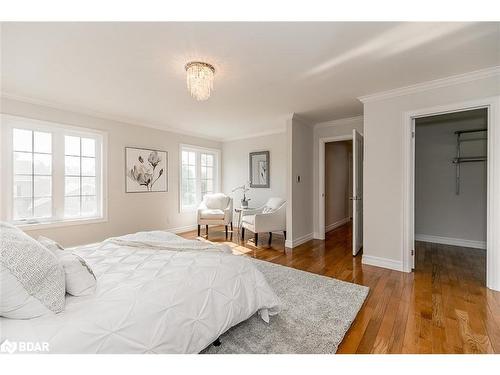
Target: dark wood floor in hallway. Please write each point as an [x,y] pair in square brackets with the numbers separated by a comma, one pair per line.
[442,307]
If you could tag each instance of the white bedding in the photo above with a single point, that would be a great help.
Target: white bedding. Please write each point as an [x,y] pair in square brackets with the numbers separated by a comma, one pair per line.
[156,293]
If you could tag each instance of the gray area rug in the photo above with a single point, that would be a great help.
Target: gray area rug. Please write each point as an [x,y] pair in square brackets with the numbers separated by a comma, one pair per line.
[317,312]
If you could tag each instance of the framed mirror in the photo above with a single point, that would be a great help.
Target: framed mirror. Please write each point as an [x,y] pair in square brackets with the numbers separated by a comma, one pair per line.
[259,169]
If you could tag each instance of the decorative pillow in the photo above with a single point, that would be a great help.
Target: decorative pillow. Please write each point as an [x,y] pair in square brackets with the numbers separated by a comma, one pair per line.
[31,278]
[217,201]
[80,279]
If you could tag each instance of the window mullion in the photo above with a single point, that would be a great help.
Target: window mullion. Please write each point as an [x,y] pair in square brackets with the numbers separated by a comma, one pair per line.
[32,173]
[98,178]
[58,160]
[198,177]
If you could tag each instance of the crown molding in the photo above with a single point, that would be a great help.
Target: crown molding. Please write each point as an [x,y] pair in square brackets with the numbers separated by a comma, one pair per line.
[101,115]
[338,122]
[300,118]
[434,84]
[254,135]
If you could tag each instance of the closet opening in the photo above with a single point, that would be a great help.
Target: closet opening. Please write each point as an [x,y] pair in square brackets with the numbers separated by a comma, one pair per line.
[338,208]
[450,197]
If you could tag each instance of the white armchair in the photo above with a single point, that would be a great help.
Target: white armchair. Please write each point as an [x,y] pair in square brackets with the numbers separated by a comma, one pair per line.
[269,218]
[215,209]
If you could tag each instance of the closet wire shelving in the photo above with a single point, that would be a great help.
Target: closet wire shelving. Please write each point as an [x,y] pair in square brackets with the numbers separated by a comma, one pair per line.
[459,159]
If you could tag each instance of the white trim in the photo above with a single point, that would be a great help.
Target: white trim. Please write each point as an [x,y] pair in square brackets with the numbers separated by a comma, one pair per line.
[493,183]
[60,224]
[320,235]
[289,179]
[343,121]
[434,84]
[451,241]
[299,241]
[184,229]
[337,224]
[382,262]
[101,115]
[254,135]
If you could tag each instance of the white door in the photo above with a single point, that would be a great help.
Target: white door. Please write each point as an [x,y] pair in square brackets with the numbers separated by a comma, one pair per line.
[357,192]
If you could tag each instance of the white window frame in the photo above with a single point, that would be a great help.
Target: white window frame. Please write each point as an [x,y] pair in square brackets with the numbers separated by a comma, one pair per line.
[10,122]
[217,173]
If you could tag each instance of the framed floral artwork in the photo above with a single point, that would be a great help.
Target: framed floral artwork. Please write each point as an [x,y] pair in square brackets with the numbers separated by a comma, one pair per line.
[145,170]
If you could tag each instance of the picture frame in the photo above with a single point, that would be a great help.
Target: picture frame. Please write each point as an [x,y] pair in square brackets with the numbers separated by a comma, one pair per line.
[259,169]
[146,170]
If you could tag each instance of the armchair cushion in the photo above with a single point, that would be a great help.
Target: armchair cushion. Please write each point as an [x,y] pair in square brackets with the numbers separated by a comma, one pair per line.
[249,219]
[215,214]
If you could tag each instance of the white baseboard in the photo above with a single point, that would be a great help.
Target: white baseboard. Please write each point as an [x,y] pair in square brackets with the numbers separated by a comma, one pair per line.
[337,224]
[298,241]
[451,241]
[318,236]
[382,262]
[183,229]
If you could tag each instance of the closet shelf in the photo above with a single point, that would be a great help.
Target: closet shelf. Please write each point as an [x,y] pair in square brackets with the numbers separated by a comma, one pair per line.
[459,159]
[458,132]
[469,159]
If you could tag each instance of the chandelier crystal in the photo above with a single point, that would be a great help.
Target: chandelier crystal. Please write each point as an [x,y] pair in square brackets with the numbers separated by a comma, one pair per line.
[200,79]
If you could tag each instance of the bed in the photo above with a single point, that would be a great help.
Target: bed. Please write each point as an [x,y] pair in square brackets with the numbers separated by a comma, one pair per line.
[156,293]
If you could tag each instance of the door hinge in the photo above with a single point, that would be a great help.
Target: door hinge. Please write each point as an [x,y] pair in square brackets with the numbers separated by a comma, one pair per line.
[413,134]
[412,252]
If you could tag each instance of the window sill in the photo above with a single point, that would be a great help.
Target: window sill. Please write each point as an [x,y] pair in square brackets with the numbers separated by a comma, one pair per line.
[62,223]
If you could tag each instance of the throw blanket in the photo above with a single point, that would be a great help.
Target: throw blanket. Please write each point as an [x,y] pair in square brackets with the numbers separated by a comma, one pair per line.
[161,240]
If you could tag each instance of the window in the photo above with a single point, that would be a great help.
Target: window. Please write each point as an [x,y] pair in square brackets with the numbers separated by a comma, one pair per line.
[54,172]
[32,154]
[199,175]
[80,197]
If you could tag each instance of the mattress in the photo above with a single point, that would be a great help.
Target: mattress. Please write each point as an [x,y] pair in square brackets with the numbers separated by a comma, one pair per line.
[156,293]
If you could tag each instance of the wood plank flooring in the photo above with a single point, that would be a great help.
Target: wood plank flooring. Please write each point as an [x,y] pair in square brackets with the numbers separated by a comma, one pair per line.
[442,307]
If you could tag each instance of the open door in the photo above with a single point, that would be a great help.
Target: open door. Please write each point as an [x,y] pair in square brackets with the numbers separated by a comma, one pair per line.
[357,192]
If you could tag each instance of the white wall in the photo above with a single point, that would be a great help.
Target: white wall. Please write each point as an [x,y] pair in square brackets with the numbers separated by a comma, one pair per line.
[383,162]
[235,167]
[126,212]
[300,194]
[439,211]
[337,182]
[336,128]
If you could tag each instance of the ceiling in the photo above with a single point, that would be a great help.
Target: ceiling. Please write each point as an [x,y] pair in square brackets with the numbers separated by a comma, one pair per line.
[265,71]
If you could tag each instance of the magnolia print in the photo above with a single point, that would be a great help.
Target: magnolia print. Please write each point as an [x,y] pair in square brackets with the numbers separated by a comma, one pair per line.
[146,170]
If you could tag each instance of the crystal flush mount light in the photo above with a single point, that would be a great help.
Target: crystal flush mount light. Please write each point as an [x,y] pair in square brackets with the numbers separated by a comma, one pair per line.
[200,79]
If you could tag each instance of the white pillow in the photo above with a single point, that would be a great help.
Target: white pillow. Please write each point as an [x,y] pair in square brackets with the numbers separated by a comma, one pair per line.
[31,278]
[80,279]
[217,201]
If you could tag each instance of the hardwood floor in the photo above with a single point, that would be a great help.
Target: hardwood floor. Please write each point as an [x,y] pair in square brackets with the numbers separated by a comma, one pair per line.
[442,307]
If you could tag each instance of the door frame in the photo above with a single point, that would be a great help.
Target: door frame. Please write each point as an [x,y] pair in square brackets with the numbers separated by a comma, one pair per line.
[492,104]
[356,223]
[321,180]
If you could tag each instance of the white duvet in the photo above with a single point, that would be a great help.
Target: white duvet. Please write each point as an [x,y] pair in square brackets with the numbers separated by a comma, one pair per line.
[156,293]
